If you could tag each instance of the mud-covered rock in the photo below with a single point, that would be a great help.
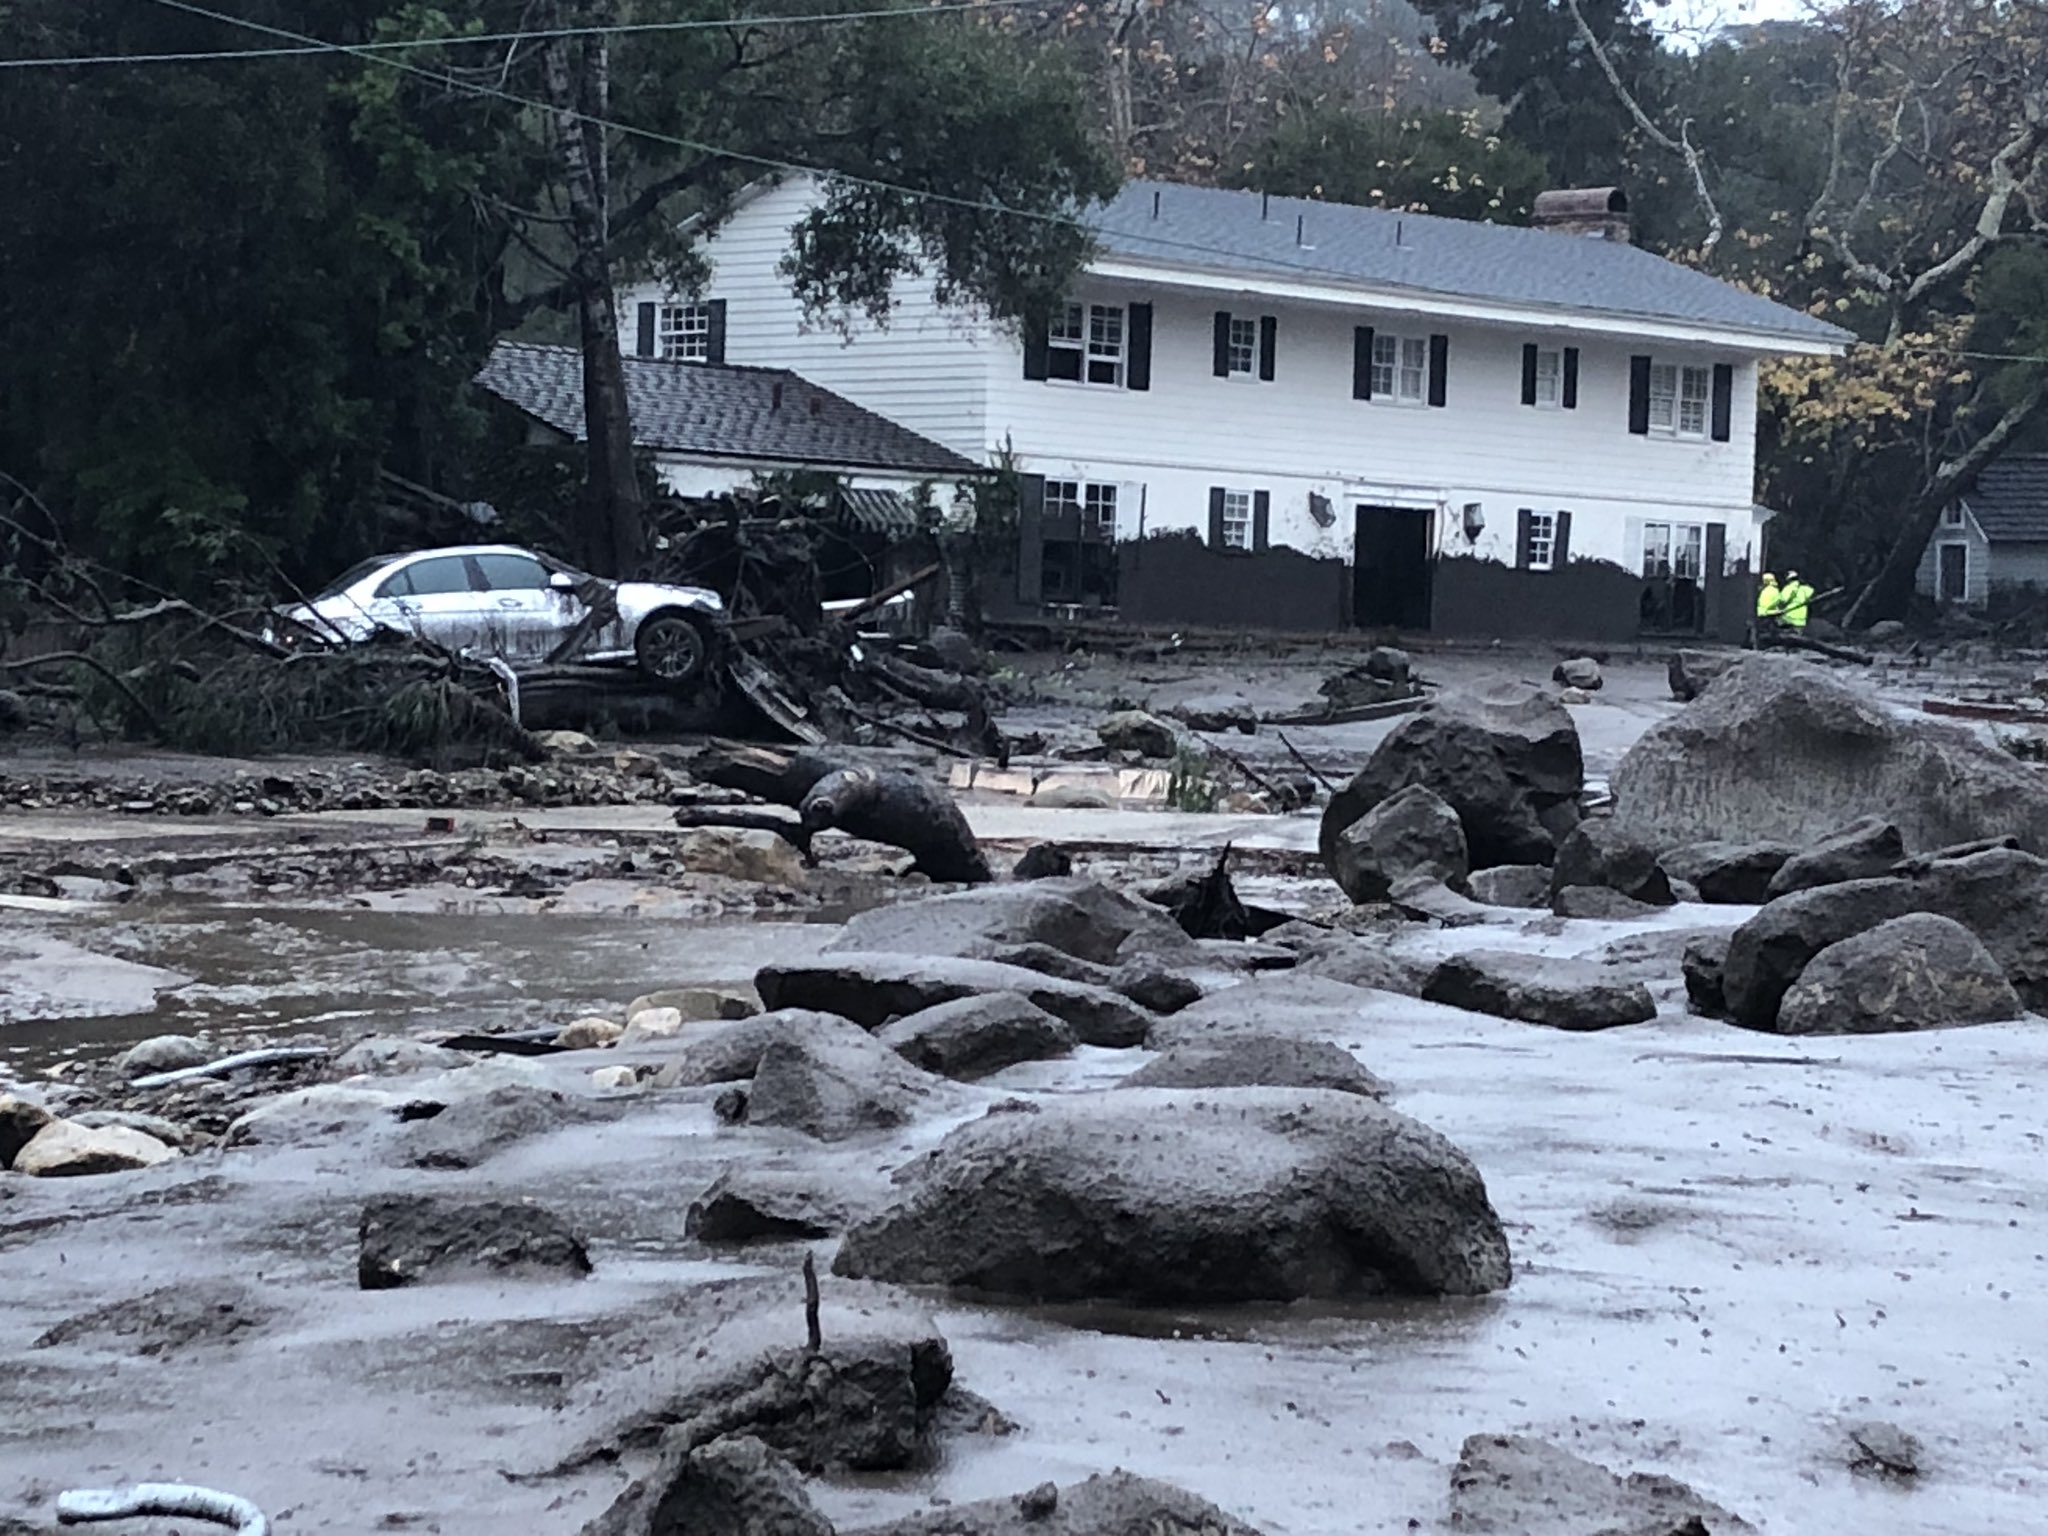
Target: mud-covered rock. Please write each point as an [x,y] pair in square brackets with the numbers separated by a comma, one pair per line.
[1920,971]
[65,1149]
[1516,1485]
[698,1005]
[1412,832]
[1689,672]
[167,1321]
[1523,886]
[974,1036]
[1365,962]
[732,1052]
[1863,850]
[748,1204]
[1257,1061]
[1163,1198]
[1563,994]
[1148,983]
[833,1089]
[1730,874]
[1581,672]
[732,1487]
[410,1239]
[471,1131]
[741,853]
[1133,730]
[589,1034]
[1706,957]
[1599,904]
[1075,915]
[164,1053]
[1043,861]
[1600,853]
[1217,713]
[1878,1448]
[873,988]
[397,1056]
[1508,763]
[1108,1504]
[20,1120]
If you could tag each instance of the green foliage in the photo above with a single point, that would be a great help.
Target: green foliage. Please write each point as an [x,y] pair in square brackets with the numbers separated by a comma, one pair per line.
[1447,163]
[1192,783]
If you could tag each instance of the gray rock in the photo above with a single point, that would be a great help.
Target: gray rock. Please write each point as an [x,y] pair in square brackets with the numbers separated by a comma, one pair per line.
[1581,672]
[409,1239]
[1363,962]
[2000,895]
[872,989]
[1043,861]
[1075,915]
[1781,749]
[957,650]
[1236,1194]
[1432,901]
[1915,972]
[749,1204]
[1297,1004]
[471,1131]
[1524,886]
[974,1036]
[1411,832]
[1600,853]
[395,1056]
[835,1089]
[1388,663]
[732,1052]
[1881,1449]
[1217,713]
[1863,850]
[1599,904]
[194,1313]
[1564,994]
[1502,761]
[1884,631]
[20,1119]
[1257,1061]
[1108,1504]
[1148,983]
[13,710]
[731,1487]
[65,1149]
[1689,672]
[169,1132]
[1733,874]
[164,1053]
[1514,1485]
[1133,730]
[1706,956]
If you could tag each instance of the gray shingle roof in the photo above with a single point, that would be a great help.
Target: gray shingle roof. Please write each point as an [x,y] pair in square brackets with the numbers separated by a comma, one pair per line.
[2010,498]
[1449,258]
[716,411]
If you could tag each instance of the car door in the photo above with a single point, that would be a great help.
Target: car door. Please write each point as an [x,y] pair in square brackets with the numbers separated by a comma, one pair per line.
[432,596]
[523,619]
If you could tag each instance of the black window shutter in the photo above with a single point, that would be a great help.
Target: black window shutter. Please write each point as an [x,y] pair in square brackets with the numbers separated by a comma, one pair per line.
[1031,539]
[1528,373]
[1523,520]
[714,341]
[1724,401]
[1138,364]
[1439,366]
[1570,394]
[1361,362]
[1262,519]
[1269,341]
[1215,517]
[1037,346]
[1639,395]
[644,342]
[1561,542]
[1222,357]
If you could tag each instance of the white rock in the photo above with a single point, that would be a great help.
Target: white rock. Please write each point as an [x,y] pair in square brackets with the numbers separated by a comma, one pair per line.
[699,1005]
[165,1053]
[615,1077]
[636,765]
[653,1024]
[65,1149]
[589,1033]
[567,741]
[741,854]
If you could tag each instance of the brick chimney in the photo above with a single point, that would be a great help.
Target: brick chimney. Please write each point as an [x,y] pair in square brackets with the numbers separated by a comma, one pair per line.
[1598,212]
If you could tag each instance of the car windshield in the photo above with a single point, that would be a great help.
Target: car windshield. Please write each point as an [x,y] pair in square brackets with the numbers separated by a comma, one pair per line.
[351,576]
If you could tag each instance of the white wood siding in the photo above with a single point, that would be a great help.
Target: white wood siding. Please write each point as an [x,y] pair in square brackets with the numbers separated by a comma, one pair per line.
[925,370]
[1983,568]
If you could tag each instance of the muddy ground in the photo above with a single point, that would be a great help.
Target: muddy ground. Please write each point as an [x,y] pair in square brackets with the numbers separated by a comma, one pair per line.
[1727,1246]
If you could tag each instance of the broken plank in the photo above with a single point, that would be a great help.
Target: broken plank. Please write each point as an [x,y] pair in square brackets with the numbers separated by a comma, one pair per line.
[1351,714]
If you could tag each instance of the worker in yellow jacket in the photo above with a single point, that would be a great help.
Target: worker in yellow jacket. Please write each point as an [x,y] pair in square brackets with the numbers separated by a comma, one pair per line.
[1796,595]
[1769,597]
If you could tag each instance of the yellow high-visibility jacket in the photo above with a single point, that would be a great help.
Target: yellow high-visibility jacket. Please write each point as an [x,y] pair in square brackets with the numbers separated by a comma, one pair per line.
[1792,609]
[1769,599]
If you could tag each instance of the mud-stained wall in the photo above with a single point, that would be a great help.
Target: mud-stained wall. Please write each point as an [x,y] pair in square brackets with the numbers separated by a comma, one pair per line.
[1586,600]
[1176,578]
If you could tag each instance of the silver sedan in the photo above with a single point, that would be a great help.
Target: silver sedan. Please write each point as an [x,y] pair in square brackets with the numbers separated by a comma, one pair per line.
[499,600]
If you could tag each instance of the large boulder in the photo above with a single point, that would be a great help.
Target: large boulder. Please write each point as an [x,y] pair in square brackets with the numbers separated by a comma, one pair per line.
[1780,749]
[1178,1199]
[2000,895]
[974,1036]
[1866,848]
[1514,1485]
[1705,958]
[749,1203]
[1524,886]
[1075,915]
[1600,853]
[1257,1061]
[407,1239]
[835,1088]
[20,1120]
[1364,962]
[164,1053]
[473,1130]
[1689,672]
[733,1487]
[1564,994]
[1133,730]
[1108,1504]
[872,989]
[1411,832]
[1507,762]
[1920,971]
[66,1149]
[1730,874]
[1148,983]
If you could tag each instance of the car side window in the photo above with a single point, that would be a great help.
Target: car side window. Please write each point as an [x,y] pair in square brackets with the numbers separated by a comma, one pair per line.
[512,573]
[429,578]
[397,584]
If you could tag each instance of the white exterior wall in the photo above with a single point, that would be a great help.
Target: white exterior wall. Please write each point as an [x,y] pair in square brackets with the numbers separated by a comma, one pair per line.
[1982,567]
[2017,565]
[700,477]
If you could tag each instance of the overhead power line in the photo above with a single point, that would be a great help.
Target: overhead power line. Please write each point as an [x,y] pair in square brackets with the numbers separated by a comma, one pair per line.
[617,29]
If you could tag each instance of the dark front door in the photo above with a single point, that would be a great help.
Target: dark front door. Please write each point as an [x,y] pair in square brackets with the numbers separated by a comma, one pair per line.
[1955,572]
[1391,568]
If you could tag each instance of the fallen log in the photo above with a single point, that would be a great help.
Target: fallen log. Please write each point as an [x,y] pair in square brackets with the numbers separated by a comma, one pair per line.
[79,1506]
[271,1056]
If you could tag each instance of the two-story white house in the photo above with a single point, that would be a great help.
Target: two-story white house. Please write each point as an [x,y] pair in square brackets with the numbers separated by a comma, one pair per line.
[1304,415]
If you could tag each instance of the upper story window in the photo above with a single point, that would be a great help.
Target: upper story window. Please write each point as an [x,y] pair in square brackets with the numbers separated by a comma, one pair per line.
[1952,515]
[1085,344]
[683,333]
[1678,399]
[1242,352]
[1549,377]
[1400,368]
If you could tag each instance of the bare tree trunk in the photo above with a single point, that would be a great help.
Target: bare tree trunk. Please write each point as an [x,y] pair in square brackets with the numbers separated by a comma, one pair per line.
[1887,596]
[579,89]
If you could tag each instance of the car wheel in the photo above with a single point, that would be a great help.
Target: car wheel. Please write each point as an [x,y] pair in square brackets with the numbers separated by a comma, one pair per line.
[672,648]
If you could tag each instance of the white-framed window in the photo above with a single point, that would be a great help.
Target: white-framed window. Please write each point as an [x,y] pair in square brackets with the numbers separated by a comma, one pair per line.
[682,333]
[1549,377]
[1400,368]
[1085,344]
[1237,519]
[1675,550]
[1952,515]
[1542,540]
[1678,399]
[1243,352]
[1092,502]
